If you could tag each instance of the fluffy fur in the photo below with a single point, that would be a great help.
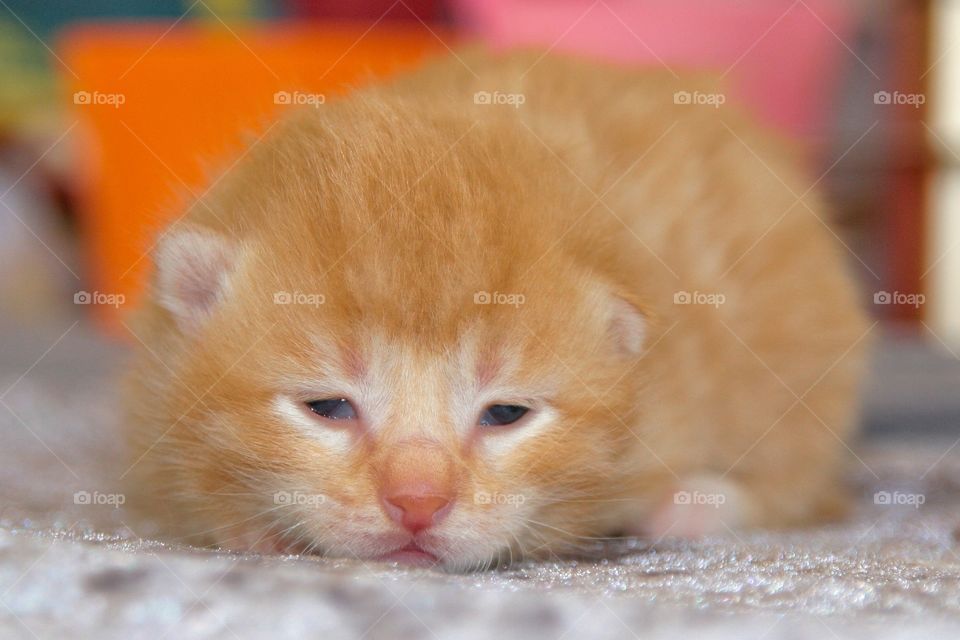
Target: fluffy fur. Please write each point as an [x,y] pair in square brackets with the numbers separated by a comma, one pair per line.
[348,254]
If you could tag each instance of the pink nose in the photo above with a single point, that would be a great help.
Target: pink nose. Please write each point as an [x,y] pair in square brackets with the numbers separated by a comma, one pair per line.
[416,512]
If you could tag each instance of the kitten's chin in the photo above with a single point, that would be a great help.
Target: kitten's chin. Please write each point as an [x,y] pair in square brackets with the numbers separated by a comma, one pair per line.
[438,554]
[428,551]
[410,555]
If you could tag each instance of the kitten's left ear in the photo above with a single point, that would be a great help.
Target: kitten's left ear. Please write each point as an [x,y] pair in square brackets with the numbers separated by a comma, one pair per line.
[193,269]
[627,324]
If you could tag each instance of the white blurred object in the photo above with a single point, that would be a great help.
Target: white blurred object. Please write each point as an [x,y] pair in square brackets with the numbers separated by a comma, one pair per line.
[35,269]
[943,269]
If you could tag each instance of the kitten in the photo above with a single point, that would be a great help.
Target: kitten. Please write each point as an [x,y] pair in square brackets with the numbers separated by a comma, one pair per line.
[499,308]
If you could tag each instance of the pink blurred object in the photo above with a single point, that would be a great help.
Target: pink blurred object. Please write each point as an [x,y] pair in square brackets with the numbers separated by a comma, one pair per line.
[783,57]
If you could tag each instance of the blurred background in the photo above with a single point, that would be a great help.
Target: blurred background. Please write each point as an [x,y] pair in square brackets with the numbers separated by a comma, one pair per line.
[114,115]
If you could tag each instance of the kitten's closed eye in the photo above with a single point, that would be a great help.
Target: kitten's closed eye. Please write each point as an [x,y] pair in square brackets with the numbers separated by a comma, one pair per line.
[333,409]
[497,415]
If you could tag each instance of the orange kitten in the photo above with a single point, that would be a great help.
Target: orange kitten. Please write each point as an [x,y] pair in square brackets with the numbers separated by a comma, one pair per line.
[497,308]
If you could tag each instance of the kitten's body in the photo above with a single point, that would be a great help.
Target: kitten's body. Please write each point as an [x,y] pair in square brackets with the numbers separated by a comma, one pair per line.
[601,203]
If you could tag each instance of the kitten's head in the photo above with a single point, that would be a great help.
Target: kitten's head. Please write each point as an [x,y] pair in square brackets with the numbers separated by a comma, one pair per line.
[401,345]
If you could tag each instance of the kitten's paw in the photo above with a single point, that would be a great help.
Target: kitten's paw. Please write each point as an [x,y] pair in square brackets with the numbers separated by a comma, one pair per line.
[699,506]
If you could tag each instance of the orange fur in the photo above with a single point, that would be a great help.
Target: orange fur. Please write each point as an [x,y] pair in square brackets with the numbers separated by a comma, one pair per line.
[597,200]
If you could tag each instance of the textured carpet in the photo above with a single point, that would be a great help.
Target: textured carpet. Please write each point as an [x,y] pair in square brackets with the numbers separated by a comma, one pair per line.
[77,570]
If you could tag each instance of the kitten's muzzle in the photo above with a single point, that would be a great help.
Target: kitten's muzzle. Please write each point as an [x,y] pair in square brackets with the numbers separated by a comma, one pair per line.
[417,487]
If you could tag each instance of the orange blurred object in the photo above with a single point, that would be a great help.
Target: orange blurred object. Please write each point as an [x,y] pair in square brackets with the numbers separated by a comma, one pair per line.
[161,110]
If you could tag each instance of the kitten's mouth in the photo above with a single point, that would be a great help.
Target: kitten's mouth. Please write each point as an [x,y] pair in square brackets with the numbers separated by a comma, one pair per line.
[411,555]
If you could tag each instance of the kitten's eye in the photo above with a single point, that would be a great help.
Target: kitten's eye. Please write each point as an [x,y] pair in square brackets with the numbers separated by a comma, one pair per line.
[333,409]
[501,414]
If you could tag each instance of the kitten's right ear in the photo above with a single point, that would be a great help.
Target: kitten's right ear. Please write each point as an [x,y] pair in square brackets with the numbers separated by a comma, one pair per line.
[193,273]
